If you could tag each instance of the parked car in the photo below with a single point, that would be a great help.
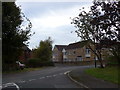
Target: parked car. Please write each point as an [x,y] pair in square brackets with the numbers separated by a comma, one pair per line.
[20,65]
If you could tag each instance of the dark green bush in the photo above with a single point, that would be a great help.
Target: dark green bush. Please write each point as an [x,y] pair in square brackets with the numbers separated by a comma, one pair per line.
[37,62]
[9,67]
[48,63]
[112,61]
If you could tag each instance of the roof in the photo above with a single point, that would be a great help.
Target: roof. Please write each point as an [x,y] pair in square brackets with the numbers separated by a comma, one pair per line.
[72,45]
[77,45]
[60,47]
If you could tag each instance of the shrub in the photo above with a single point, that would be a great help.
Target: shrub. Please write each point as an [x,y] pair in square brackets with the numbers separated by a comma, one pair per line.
[9,67]
[48,63]
[37,62]
[112,61]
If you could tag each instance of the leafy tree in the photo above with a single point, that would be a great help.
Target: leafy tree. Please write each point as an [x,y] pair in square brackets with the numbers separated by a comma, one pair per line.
[44,51]
[107,18]
[88,32]
[15,31]
[99,25]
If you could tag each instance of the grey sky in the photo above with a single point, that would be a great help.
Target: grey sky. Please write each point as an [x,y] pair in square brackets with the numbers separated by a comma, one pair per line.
[52,19]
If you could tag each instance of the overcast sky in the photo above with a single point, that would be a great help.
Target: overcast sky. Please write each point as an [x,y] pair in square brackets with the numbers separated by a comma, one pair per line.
[52,19]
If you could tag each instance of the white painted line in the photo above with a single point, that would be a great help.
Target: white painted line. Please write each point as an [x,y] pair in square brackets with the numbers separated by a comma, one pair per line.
[32,79]
[66,72]
[48,76]
[11,84]
[21,81]
[41,77]
[54,75]
[16,86]
[77,81]
[0,87]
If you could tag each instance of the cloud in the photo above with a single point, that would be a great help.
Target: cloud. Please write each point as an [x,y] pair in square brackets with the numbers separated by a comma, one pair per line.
[50,19]
[56,18]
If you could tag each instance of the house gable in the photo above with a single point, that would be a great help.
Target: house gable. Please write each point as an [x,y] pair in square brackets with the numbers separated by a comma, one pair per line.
[78,51]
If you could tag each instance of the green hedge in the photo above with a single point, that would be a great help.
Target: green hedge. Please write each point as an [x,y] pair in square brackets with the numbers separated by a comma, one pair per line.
[112,61]
[36,62]
[9,67]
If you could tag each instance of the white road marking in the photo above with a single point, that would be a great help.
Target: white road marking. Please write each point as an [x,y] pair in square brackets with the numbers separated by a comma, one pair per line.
[16,86]
[54,75]
[41,77]
[0,87]
[11,84]
[66,72]
[77,81]
[32,79]
[48,76]
[22,81]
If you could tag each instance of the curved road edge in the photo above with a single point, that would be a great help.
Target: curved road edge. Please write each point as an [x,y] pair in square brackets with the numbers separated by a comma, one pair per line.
[84,86]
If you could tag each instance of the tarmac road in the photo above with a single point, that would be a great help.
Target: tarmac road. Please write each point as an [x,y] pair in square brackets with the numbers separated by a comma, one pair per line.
[50,77]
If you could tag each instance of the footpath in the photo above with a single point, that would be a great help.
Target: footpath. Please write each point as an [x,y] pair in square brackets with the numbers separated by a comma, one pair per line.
[87,81]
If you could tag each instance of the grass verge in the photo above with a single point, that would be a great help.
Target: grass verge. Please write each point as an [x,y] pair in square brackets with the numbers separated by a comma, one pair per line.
[108,73]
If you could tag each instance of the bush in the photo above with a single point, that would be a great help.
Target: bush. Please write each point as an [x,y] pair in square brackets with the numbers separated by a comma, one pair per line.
[9,67]
[112,61]
[37,62]
[48,63]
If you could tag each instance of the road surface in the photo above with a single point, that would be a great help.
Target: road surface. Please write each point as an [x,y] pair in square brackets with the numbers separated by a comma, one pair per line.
[50,77]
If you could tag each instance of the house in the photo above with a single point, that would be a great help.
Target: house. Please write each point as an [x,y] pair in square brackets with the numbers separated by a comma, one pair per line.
[57,53]
[74,52]
[25,55]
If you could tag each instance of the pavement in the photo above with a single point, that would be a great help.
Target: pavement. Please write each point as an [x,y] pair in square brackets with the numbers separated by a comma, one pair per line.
[80,77]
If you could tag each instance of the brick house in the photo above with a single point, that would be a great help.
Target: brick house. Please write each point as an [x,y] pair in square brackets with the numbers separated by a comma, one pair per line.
[74,52]
[57,53]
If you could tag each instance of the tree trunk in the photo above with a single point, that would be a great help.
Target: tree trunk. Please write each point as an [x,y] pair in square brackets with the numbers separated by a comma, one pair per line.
[101,63]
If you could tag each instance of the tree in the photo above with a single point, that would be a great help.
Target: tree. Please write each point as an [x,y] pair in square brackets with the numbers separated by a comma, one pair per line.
[88,32]
[15,31]
[100,24]
[106,15]
[44,51]
[107,18]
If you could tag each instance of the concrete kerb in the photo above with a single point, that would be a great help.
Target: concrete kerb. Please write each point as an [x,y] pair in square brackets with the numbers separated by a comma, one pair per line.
[84,86]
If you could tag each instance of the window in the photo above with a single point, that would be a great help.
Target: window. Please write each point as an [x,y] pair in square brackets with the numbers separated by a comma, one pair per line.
[87,51]
[96,58]
[69,53]
[79,58]
[74,52]
[65,59]
[65,53]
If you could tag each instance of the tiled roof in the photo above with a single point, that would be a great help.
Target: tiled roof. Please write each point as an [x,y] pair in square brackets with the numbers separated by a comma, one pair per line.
[77,45]
[72,45]
[60,47]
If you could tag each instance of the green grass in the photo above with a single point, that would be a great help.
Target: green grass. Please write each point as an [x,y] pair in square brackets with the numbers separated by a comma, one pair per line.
[108,73]
[24,70]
